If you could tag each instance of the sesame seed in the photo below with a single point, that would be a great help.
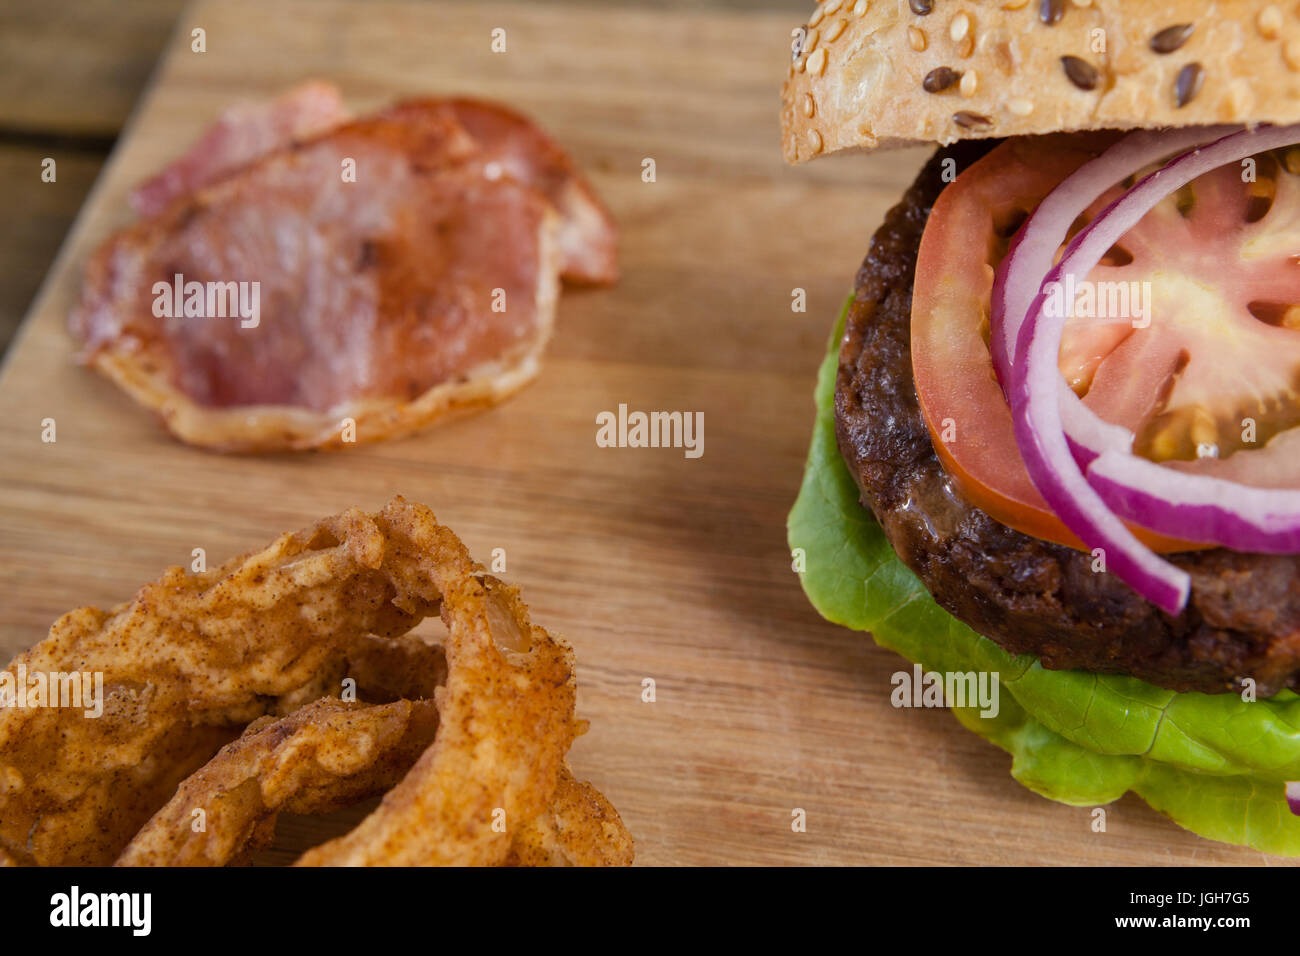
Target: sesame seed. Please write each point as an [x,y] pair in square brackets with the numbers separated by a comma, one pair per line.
[860,8]
[1015,4]
[834,30]
[939,79]
[966,47]
[809,105]
[1291,53]
[1269,22]
[1051,11]
[814,141]
[969,84]
[1188,84]
[1081,73]
[1020,106]
[968,120]
[997,45]
[916,37]
[921,8]
[831,6]
[817,62]
[810,41]
[959,27]
[1240,98]
[1083,3]
[816,18]
[1171,38]
[799,64]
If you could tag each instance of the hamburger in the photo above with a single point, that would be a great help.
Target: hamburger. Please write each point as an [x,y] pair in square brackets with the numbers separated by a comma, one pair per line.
[1056,434]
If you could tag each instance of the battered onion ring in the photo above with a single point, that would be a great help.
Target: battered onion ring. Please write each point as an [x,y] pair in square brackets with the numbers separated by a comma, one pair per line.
[328,756]
[580,828]
[506,721]
[321,758]
[195,657]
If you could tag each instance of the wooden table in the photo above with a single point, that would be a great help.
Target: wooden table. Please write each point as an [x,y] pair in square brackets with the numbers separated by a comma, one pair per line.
[652,564]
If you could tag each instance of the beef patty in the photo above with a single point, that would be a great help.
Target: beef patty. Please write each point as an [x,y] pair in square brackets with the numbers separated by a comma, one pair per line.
[1028,595]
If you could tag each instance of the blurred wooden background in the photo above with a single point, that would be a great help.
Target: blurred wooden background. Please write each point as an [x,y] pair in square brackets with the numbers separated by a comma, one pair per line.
[70,73]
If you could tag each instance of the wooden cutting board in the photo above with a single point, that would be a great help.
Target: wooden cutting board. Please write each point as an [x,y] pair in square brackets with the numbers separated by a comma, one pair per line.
[654,565]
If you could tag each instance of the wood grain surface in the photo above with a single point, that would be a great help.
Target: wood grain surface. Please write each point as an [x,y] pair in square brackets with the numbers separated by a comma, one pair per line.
[72,69]
[650,563]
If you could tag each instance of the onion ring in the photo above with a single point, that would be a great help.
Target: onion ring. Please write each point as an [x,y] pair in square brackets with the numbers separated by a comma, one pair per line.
[193,658]
[320,758]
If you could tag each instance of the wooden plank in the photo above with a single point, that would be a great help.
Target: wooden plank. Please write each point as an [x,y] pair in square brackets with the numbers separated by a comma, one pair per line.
[75,67]
[652,564]
[45,210]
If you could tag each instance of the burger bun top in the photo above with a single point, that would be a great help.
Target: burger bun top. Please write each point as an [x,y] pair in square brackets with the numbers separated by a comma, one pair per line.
[874,74]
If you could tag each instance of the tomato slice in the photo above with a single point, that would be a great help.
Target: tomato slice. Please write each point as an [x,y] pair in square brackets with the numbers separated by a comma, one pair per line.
[1192,340]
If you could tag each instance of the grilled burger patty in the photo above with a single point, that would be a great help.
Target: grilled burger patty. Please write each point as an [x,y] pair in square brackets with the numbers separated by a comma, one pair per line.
[1032,596]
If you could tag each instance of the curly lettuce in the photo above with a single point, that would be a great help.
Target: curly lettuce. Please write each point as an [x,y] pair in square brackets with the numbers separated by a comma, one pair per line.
[1215,764]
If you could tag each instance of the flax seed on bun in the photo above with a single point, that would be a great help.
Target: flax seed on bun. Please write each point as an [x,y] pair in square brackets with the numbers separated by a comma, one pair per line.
[868,74]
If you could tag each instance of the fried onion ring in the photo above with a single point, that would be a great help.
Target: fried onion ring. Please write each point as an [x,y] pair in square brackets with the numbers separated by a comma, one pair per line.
[580,828]
[328,756]
[194,657]
[320,758]
[506,723]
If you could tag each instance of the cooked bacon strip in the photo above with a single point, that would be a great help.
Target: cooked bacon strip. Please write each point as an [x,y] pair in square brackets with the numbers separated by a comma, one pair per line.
[422,288]
[240,135]
[514,146]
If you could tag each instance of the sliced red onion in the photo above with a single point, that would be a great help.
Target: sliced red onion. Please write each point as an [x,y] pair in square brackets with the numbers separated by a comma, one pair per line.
[1033,248]
[1087,432]
[1034,384]
[1189,506]
[1293,796]
[1035,407]
[1197,507]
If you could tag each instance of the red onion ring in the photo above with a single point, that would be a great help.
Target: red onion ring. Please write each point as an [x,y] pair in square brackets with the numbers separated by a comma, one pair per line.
[1033,248]
[1040,435]
[1035,392]
[1180,504]
[1185,505]
[1293,796]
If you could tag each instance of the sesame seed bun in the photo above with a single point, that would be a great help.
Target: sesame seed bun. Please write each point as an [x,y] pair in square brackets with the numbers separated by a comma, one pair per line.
[869,74]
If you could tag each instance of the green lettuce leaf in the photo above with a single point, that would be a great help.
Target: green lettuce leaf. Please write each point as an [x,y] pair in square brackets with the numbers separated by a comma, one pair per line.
[1214,763]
